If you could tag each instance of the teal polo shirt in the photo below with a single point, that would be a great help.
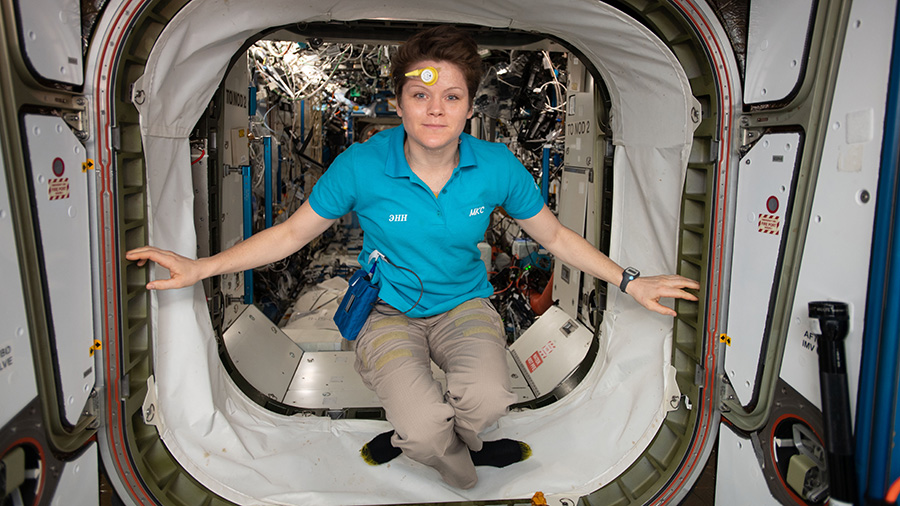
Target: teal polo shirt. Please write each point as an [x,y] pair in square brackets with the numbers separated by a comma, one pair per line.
[434,236]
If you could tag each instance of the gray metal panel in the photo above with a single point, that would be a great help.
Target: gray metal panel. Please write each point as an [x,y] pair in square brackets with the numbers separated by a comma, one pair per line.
[764,188]
[739,468]
[235,125]
[581,129]
[573,201]
[329,380]
[838,244]
[200,178]
[262,353]
[776,42]
[518,381]
[17,382]
[590,234]
[51,33]
[61,197]
[78,483]
[577,74]
[576,194]
[551,349]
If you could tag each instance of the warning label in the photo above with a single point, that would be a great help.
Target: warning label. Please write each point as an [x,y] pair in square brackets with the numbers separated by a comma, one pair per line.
[6,357]
[58,188]
[769,224]
[534,361]
[537,358]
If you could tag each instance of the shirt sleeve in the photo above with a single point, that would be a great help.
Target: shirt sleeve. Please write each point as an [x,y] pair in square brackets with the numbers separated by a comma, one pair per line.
[335,193]
[523,199]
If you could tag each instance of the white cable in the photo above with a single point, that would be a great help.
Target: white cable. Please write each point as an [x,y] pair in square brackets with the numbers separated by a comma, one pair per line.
[333,70]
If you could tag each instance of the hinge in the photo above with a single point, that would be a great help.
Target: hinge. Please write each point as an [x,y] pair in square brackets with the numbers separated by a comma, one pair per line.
[726,394]
[78,124]
[124,388]
[699,374]
[92,409]
[115,134]
[749,136]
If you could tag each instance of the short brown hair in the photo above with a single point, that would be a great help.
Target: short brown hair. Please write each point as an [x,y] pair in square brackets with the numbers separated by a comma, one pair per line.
[440,43]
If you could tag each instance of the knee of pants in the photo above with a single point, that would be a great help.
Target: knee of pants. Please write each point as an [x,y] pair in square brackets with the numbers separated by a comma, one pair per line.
[485,401]
[427,433]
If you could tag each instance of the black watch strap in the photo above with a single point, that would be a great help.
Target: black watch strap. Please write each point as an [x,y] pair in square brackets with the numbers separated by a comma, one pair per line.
[628,275]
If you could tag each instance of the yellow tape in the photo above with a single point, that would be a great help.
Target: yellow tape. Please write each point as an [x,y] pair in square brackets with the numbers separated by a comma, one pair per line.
[87,165]
[390,336]
[387,322]
[479,330]
[476,316]
[724,338]
[465,306]
[97,346]
[391,355]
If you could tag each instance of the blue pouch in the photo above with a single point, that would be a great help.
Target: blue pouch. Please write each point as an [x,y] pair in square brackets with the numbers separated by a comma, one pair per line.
[358,302]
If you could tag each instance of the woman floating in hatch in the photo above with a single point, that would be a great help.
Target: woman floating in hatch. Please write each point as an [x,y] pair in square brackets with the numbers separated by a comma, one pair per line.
[424,194]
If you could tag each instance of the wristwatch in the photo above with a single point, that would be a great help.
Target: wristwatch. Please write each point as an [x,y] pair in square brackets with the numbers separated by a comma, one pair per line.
[628,275]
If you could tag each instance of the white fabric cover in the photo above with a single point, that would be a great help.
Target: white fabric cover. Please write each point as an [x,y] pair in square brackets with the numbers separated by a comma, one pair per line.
[251,456]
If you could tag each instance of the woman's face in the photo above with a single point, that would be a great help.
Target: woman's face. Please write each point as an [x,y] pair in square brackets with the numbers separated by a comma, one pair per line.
[435,115]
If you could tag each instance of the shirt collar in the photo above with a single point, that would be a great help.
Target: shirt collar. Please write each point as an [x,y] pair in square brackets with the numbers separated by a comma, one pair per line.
[397,166]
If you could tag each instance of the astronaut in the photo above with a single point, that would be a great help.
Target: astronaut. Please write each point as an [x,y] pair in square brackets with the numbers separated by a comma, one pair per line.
[424,192]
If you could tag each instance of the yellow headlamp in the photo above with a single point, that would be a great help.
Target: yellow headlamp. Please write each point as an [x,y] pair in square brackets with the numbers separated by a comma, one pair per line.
[428,75]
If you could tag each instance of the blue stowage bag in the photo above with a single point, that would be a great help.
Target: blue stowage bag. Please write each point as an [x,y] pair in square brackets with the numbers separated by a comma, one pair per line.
[358,302]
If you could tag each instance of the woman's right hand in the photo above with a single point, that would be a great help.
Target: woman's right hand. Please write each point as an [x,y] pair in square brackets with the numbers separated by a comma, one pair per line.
[264,247]
[183,271]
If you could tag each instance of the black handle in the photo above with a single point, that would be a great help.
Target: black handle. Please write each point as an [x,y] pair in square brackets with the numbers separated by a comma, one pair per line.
[834,322]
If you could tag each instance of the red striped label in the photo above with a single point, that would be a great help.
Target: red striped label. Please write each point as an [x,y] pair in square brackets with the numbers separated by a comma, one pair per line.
[58,188]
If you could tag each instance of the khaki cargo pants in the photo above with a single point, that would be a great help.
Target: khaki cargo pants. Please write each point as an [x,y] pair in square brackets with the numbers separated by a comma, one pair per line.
[393,356]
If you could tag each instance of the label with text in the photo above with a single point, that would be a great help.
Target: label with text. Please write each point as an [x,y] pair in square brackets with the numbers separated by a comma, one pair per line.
[58,188]
[537,358]
[769,224]
[6,357]
[810,341]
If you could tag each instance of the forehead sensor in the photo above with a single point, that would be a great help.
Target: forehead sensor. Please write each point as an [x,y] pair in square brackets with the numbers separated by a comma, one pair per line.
[428,75]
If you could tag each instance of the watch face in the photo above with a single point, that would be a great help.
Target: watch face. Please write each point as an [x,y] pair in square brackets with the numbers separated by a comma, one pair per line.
[628,275]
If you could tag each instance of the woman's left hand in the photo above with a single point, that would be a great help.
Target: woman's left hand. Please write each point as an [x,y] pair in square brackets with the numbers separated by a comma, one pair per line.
[648,290]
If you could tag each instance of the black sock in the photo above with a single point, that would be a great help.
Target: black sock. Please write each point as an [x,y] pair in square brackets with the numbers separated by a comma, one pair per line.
[501,453]
[379,450]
